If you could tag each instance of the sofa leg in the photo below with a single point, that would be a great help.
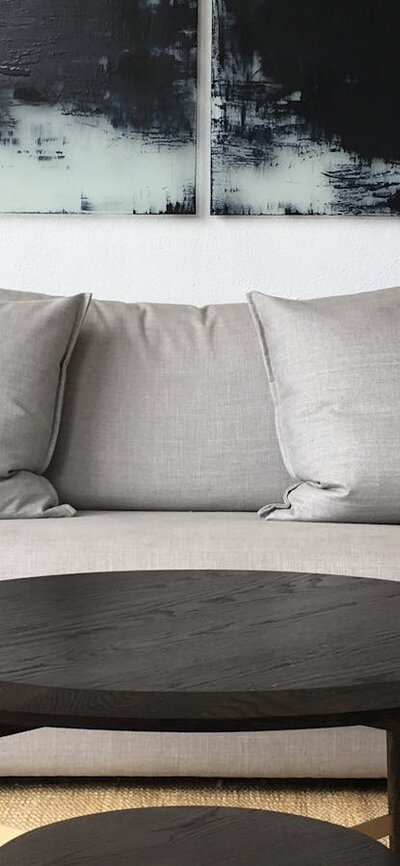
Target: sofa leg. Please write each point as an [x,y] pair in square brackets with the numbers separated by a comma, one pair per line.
[393,764]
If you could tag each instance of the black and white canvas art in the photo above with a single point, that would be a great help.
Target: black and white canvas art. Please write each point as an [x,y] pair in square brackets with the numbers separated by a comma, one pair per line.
[305,107]
[98,106]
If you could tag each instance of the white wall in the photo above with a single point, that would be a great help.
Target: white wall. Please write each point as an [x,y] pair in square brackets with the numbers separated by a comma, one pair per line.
[199,259]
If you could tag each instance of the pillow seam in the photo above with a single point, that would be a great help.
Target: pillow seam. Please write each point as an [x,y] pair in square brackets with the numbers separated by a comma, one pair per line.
[273,386]
[74,334]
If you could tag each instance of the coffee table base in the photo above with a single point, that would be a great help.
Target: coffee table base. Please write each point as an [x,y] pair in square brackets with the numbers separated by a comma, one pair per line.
[388,825]
[393,763]
[377,828]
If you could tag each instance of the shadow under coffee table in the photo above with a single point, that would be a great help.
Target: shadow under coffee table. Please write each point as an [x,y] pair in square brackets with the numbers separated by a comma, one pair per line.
[204,651]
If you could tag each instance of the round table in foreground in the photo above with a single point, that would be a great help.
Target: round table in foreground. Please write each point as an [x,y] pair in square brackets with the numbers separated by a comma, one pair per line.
[203,651]
[194,837]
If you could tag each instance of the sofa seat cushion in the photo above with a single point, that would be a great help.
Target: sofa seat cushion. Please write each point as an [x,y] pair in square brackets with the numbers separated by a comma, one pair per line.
[106,541]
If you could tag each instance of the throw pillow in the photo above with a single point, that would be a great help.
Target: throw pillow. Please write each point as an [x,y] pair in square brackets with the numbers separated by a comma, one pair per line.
[36,343]
[334,370]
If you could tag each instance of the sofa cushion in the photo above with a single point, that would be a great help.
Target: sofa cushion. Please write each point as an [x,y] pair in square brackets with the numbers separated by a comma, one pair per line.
[36,342]
[106,541]
[167,407]
[334,370]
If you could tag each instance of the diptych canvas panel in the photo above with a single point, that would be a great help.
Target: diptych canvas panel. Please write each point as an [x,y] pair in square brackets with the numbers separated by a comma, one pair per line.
[305,115]
[98,106]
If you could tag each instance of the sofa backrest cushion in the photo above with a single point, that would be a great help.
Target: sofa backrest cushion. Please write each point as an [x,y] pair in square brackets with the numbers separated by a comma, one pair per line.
[167,407]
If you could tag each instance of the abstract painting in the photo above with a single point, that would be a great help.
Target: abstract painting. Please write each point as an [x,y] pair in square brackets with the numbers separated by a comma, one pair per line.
[305,107]
[98,106]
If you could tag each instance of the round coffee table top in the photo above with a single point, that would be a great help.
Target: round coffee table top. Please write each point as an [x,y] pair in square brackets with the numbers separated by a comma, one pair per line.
[196,836]
[197,650]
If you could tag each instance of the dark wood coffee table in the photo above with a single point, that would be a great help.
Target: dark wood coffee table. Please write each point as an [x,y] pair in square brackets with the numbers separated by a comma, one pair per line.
[194,837]
[204,651]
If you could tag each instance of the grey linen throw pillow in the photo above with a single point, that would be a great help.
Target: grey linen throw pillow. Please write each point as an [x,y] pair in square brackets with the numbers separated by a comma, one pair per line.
[36,342]
[334,370]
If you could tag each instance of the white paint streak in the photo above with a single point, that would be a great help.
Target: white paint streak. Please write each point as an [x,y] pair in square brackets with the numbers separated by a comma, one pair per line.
[307,177]
[115,171]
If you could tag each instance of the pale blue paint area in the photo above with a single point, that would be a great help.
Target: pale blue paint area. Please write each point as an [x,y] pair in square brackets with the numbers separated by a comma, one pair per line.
[51,162]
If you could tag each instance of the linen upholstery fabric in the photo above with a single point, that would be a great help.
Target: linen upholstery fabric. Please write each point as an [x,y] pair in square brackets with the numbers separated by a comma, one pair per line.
[150,540]
[36,341]
[167,407]
[334,370]
[341,753]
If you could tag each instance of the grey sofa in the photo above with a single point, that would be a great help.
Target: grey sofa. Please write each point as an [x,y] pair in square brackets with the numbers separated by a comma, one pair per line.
[167,448]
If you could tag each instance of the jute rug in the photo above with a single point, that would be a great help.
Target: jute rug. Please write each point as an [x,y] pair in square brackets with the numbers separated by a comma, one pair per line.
[27,804]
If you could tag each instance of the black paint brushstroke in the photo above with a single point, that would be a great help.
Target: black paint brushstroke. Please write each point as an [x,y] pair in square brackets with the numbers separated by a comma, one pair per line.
[343,59]
[343,56]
